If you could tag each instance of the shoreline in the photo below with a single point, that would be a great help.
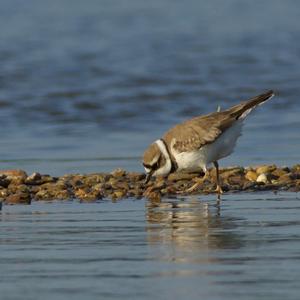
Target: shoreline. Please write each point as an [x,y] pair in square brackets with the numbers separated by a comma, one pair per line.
[17,187]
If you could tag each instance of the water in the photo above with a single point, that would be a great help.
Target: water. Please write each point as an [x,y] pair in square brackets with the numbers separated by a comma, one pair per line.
[184,248]
[86,85]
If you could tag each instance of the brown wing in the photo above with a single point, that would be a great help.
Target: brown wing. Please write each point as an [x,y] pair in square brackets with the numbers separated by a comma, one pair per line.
[197,132]
[202,130]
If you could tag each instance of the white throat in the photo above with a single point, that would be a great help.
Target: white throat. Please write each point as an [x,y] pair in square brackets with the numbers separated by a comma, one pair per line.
[166,168]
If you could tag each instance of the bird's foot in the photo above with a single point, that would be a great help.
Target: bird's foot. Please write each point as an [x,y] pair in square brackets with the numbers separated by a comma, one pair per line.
[194,187]
[219,190]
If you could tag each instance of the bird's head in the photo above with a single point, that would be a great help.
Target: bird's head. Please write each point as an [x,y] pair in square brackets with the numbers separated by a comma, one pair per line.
[156,160]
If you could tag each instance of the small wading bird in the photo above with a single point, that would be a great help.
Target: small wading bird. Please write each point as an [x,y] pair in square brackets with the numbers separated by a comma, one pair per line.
[200,141]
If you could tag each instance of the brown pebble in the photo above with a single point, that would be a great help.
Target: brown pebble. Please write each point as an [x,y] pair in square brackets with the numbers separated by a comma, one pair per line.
[251,176]
[134,176]
[118,172]
[183,176]
[119,194]
[264,169]
[33,179]
[3,193]
[279,172]
[15,176]
[154,196]
[18,198]
[4,181]
[14,173]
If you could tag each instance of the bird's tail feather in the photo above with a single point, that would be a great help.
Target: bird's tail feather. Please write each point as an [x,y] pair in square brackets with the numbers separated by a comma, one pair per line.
[241,110]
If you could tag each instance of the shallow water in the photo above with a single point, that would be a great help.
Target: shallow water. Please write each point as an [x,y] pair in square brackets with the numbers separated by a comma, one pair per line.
[86,85]
[249,249]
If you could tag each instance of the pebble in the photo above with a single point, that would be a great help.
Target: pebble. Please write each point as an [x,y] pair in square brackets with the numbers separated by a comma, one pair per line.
[18,198]
[265,169]
[251,175]
[262,178]
[17,187]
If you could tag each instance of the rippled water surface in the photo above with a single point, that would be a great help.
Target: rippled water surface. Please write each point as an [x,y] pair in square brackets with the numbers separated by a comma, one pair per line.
[86,85]
[175,249]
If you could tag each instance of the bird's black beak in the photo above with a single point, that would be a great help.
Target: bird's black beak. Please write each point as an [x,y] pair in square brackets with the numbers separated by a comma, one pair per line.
[148,176]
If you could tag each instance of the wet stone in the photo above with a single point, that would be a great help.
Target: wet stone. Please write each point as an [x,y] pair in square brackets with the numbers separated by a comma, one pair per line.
[17,187]
[15,176]
[4,181]
[53,191]
[18,198]
[14,173]
[280,172]
[88,194]
[182,176]
[134,176]
[251,176]
[118,173]
[265,169]
[38,179]
[3,193]
[262,178]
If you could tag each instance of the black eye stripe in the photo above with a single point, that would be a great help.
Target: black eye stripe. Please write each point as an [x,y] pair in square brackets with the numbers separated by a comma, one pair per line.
[153,167]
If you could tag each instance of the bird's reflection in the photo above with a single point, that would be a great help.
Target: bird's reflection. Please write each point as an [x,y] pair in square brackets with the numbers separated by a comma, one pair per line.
[189,230]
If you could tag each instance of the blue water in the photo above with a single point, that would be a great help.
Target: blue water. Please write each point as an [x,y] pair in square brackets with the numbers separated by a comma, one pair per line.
[85,86]
[184,248]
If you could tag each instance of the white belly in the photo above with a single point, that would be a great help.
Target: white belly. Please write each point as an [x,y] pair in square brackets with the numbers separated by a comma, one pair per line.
[221,147]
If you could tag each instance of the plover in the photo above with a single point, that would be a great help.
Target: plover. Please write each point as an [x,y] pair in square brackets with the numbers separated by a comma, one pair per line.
[200,141]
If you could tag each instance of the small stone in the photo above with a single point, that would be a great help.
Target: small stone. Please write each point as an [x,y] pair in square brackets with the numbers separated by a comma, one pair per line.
[53,191]
[135,193]
[285,179]
[18,198]
[154,196]
[264,169]
[34,179]
[119,185]
[228,172]
[182,176]
[262,178]
[88,194]
[249,185]
[3,193]
[118,172]
[236,180]
[295,175]
[251,176]
[134,176]
[160,184]
[296,168]
[15,176]
[14,173]
[119,194]
[4,181]
[279,172]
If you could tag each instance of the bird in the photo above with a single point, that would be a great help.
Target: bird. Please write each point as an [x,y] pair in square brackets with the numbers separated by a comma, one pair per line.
[199,142]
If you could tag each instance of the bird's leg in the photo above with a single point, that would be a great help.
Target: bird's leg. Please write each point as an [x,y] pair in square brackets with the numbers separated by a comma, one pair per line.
[219,190]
